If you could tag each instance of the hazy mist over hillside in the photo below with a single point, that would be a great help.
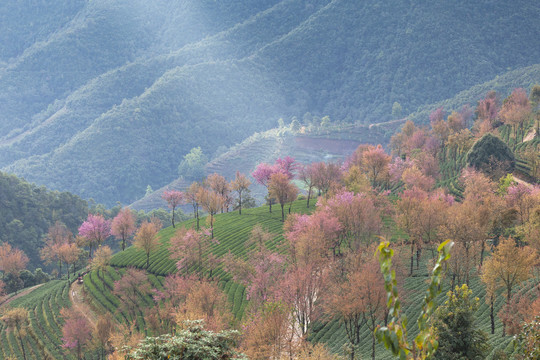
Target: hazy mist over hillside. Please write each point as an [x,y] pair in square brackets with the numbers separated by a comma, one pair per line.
[264,179]
[103,98]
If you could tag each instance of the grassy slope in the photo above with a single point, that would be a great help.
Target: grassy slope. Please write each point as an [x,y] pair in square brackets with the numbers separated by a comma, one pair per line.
[232,230]
[44,332]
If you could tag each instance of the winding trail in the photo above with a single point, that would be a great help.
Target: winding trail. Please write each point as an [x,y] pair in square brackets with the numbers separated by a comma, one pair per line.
[388,122]
[77,299]
[521,181]
[4,301]
[530,135]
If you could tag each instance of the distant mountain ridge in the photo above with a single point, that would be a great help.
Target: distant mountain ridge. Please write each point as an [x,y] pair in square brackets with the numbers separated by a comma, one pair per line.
[104,98]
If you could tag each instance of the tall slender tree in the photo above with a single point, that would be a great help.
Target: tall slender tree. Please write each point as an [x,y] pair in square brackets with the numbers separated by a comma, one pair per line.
[146,239]
[192,196]
[57,235]
[211,202]
[281,189]
[305,174]
[95,230]
[173,199]
[375,163]
[69,253]
[515,109]
[511,265]
[101,260]
[240,184]
[190,248]
[262,175]
[12,262]
[220,186]
[123,226]
[102,333]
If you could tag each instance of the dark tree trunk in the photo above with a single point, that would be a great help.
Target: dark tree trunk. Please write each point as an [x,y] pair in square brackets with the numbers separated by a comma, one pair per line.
[412,258]
[372,345]
[492,316]
[22,347]
[482,253]
[467,268]
[240,204]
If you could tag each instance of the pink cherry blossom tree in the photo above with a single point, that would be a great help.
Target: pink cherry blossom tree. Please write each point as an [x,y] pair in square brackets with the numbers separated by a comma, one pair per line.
[95,230]
[191,249]
[262,174]
[76,332]
[173,199]
[306,176]
[358,215]
[287,165]
[123,226]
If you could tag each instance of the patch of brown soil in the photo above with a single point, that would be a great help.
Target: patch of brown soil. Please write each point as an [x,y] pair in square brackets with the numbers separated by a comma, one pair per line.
[77,299]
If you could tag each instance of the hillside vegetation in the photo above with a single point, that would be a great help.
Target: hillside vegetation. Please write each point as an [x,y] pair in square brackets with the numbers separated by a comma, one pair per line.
[331,143]
[232,231]
[103,99]
[306,277]
[27,211]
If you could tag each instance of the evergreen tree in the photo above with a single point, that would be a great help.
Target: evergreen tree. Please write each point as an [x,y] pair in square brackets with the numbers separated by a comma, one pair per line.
[491,155]
[456,329]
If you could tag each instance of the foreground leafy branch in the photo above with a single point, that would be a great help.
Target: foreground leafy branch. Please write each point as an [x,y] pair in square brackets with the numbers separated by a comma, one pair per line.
[394,335]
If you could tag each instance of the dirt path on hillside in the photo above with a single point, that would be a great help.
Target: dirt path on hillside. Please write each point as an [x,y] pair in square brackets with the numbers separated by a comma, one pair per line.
[4,301]
[387,122]
[530,135]
[521,181]
[77,299]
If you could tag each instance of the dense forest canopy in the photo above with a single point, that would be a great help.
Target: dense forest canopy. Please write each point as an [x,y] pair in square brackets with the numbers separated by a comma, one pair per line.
[105,98]
[27,211]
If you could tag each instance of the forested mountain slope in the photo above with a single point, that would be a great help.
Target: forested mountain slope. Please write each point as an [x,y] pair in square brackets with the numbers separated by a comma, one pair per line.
[103,98]
[27,211]
[333,143]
